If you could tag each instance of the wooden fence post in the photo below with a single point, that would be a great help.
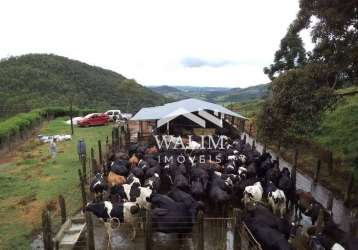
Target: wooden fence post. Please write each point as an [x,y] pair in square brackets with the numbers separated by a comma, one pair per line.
[264,148]
[320,221]
[330,202]
[353,225]
[100,152]
[201,230]
[62,204]
[295,158]
[89,223]
[330,162]
[93,162]
[316,174]
[113,142]
[83,161]
[237,220]
[128,135]
[347,194]
[83,191]
[148,230]
[107,148]
[242,126]
[119,136]
[46,229]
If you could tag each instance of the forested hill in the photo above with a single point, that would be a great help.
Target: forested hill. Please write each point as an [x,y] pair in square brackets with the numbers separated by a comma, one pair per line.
[38,80]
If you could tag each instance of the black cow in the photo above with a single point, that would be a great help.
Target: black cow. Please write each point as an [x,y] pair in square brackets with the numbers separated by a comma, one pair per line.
[181,196]
[269,238]
[273,173]
[219,192]
[119,167]
[138,172]
[286,184]
[181,182]
[332,230]
[265,217]
[170,216]
[322,242]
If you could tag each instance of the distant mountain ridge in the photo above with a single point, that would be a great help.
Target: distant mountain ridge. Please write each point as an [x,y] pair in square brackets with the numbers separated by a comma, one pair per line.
[220,95]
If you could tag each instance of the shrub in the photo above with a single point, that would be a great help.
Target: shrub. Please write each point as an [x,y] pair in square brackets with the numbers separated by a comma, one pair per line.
[20,122]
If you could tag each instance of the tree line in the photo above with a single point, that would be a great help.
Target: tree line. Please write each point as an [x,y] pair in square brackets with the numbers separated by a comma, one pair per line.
[304,83]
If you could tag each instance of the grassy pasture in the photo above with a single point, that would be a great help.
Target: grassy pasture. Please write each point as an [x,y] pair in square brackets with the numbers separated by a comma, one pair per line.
[30,180]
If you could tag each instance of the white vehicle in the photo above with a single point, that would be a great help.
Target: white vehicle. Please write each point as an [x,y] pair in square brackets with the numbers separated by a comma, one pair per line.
[114,114]
[127,115]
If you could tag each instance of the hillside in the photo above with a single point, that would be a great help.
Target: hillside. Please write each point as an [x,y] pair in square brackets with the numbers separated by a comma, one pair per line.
[213,94]
[38,80]
[338,130]
[246,94]
[170,92]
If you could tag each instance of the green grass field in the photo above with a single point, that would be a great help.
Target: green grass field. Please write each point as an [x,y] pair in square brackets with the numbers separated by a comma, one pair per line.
[339,130]
[30,180]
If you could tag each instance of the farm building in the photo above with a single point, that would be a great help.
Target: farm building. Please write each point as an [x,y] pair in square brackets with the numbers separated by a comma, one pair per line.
[189,116]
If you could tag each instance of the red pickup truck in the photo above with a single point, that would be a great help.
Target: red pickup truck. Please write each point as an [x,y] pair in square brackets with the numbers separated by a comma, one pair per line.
[95,119]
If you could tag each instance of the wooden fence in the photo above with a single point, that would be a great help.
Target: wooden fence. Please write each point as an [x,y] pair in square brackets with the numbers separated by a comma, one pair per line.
[319,155]
[55,225]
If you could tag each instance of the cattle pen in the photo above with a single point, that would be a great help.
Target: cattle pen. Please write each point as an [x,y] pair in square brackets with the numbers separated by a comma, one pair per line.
[78,230]
[73,229]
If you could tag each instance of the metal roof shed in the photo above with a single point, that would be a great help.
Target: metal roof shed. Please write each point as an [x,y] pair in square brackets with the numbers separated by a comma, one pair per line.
[182,107]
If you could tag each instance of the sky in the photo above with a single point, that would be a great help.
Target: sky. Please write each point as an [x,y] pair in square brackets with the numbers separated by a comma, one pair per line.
[173,42]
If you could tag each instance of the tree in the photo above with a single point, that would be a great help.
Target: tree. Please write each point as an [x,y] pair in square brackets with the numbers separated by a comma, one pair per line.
[290,55]
[303,83]
[293,109]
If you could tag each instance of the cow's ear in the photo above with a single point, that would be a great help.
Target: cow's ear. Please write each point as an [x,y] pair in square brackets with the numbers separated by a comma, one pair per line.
[134,209]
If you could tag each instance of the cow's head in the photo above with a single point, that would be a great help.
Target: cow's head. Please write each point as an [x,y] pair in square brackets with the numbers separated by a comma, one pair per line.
[229,182]
[242,158]
[285,172]
[100,209]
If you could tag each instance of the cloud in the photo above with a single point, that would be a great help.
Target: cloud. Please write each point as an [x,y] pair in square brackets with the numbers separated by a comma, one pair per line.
[195,62]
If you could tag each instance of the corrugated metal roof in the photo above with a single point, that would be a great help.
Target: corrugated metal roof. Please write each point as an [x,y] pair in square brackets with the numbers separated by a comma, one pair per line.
[180,107]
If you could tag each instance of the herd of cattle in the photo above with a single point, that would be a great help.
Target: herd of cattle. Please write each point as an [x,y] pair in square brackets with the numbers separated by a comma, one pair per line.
[137,180]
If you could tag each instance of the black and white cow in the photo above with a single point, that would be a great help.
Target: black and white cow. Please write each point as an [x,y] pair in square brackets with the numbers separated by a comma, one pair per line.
[121,212]
[134,192]
[276,199]
[98,186]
